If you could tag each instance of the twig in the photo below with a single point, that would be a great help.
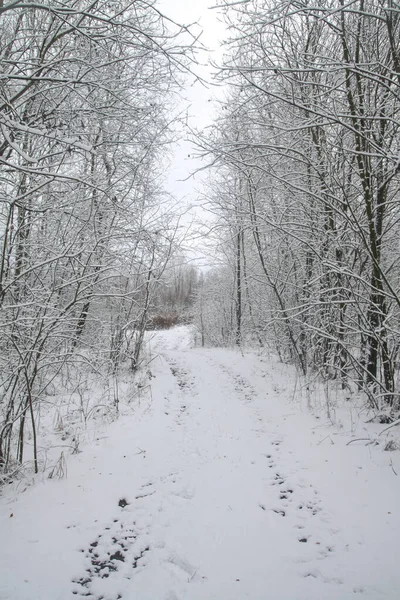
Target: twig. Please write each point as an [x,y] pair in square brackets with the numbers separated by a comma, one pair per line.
[140,451]
[325,438]
[5,477]
[391,464]
[359,440]
[190,579]
[391,425]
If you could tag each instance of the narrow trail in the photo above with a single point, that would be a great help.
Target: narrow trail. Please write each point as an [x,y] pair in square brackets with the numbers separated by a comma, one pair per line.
[213,489]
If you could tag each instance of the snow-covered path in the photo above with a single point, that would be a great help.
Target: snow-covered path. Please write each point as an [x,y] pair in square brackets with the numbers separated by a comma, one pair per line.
[217,488]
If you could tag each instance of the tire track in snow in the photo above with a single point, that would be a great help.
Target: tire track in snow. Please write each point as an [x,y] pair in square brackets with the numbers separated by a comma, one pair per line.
[131,542]
[221,501]
[287,498]
[295,496]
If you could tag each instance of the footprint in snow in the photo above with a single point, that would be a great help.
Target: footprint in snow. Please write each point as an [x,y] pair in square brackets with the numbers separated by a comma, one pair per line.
[181,568]
[117,551]
[271,462]
[316,574]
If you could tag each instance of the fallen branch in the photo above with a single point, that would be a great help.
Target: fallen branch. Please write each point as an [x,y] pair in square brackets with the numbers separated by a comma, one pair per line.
[359,440]
[391,425]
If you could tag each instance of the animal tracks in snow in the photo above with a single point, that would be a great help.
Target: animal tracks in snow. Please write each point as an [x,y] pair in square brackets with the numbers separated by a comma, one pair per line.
[117,551]
[293,503]
[184,381]
[231,495]
[124,546]
[297,501]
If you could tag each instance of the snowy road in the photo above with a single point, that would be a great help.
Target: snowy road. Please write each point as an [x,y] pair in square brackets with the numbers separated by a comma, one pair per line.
[217,488]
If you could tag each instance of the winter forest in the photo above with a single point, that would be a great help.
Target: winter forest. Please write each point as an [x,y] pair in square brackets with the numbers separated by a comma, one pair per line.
[297,227]
[86,234]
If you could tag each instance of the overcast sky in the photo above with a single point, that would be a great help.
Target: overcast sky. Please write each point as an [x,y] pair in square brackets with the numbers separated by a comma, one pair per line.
[198,96]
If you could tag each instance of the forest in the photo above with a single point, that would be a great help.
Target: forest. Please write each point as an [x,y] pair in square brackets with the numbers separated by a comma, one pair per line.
[305,170]
[303,176]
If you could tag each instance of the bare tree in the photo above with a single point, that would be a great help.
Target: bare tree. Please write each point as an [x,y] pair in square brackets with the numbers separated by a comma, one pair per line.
[314,94]
[85,91]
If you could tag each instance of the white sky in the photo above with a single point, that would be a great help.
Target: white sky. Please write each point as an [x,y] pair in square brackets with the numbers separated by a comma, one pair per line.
[198,96]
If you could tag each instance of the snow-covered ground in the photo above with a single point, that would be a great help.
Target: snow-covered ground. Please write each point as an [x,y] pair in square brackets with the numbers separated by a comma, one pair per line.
[217,486]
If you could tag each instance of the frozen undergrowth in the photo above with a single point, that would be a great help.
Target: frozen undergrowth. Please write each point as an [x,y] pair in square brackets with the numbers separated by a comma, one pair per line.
[80,402]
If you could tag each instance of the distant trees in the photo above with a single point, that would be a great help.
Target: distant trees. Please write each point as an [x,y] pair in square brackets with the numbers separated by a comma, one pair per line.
[214,309]
[310,132]
[177,290]
[85,91]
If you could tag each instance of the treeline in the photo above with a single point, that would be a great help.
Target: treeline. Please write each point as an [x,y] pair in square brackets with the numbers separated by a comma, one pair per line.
[176,294]
[305,175]
[86,98]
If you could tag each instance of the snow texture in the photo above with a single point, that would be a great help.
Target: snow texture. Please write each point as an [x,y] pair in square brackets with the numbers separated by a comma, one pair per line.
[218,486]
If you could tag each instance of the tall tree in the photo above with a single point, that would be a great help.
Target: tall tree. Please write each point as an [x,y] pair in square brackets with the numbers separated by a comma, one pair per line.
[85,91]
